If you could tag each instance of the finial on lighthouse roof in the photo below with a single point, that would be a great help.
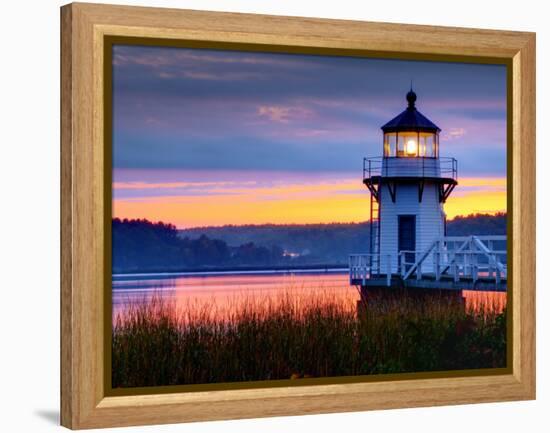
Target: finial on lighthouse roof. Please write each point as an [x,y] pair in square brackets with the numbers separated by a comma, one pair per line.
[410,119]
[411,97]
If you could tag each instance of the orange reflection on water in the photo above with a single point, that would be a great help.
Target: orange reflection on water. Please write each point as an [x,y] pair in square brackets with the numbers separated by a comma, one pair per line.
[220,296]
[223,295]
[491,301]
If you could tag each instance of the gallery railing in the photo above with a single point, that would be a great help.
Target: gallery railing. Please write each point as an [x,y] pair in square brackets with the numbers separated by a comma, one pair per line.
[420,166]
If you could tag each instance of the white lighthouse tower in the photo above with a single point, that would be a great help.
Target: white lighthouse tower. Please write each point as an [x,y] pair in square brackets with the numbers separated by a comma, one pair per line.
[409,185]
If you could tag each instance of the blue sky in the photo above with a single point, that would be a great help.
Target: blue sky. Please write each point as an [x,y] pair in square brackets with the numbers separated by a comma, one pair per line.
[177,108]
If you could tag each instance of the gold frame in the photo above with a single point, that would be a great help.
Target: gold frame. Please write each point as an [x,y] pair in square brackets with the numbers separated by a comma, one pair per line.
[85,400]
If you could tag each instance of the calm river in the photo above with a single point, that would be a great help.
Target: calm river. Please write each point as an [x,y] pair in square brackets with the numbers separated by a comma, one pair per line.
[225,291]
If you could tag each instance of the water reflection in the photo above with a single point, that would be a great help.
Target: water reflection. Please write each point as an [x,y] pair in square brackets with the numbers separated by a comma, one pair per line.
[225,293]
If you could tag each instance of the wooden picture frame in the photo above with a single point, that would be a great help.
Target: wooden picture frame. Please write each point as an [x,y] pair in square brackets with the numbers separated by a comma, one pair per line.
[84,165]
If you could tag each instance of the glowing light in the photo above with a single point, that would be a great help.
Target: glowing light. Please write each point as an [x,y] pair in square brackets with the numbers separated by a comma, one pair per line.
[411,147]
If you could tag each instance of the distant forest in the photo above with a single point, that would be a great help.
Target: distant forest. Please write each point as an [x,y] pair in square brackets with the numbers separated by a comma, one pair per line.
[144,246]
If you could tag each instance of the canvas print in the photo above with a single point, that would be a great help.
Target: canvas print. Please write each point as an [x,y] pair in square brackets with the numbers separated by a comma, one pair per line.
[287,217]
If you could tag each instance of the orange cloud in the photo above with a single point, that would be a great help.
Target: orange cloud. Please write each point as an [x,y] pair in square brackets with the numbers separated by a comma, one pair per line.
[220,210]
[477,195]
[324,202]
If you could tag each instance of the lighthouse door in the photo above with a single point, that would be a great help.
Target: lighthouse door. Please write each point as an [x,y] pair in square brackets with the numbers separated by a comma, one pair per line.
[406,237]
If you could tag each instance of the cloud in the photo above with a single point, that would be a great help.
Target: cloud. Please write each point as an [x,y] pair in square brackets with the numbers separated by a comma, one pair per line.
[454,133]
[140,185]
[199,183]
[209,76]
[281,114]
[161,56]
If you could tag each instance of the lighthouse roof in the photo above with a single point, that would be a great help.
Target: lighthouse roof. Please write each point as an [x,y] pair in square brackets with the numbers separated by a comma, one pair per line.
[410,119]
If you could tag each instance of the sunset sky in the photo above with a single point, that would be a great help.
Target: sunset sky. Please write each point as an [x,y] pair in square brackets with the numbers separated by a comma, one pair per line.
[205,137]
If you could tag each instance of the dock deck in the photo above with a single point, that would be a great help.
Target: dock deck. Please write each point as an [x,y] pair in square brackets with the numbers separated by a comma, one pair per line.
[429,281]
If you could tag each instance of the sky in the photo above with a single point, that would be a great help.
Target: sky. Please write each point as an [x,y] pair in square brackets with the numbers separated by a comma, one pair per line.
[206,137]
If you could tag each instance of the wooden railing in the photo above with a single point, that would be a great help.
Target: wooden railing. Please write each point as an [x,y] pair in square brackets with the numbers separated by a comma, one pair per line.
[458,256]
[364,266]
[470,257]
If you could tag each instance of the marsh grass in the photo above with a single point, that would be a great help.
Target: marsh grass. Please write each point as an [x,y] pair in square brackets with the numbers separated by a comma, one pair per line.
[291,336]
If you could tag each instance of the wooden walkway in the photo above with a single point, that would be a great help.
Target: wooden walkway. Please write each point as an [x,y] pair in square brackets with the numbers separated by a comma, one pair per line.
[450,263]
[429,282]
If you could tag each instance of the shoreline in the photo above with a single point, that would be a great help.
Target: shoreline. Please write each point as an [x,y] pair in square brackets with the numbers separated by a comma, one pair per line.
[250,271]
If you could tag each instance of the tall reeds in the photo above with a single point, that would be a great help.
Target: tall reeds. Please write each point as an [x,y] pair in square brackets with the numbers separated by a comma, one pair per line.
[155,342]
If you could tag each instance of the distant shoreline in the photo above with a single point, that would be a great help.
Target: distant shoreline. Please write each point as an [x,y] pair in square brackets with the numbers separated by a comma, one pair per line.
[456,218]
[143,248]
[234,271]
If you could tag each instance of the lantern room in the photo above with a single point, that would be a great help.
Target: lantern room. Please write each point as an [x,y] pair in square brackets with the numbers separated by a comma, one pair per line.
[411,134]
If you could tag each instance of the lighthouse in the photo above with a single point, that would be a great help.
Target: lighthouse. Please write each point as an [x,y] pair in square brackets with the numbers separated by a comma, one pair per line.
[408,187]
[408,244]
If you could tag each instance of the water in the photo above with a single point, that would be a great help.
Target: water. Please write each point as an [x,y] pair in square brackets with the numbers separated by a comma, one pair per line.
[227,291]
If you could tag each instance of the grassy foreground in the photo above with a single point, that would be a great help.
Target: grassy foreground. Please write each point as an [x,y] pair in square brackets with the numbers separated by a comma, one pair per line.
[155,343]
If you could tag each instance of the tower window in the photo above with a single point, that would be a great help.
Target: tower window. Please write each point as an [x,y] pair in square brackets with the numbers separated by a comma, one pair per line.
[390,143]
[409,144]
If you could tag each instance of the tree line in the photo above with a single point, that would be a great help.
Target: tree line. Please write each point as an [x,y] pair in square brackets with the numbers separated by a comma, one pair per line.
[140,245]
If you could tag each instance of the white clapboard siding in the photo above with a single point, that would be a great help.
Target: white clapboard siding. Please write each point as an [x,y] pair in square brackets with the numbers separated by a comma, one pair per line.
[429,219]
